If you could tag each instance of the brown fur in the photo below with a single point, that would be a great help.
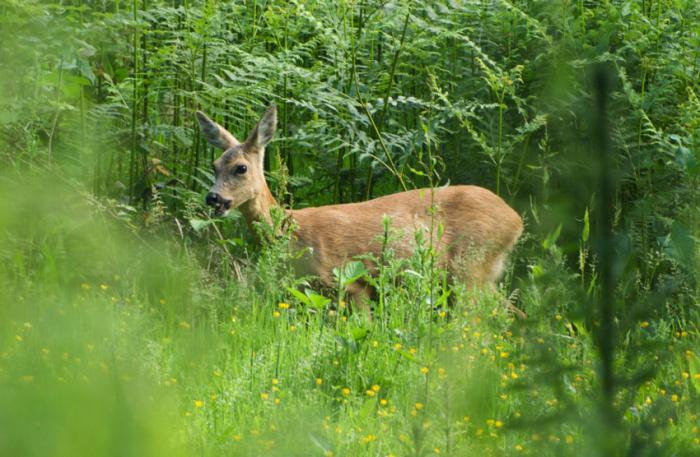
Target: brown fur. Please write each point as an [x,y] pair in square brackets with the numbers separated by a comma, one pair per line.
[479,228]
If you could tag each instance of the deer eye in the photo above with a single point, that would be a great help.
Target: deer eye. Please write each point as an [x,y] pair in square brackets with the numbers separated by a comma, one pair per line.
[241,169]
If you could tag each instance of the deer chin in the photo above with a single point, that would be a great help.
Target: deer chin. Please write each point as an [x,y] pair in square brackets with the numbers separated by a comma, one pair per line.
[222,209]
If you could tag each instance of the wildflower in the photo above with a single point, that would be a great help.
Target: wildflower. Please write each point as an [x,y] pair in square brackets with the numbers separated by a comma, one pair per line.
[419,406]
[647,401]
[441,373]
[685,375]
[519,448]
[370,393]
[424,370]
[277,401]
[283,305]
[375,343]
[569,439]
[276,314]
[383,402]
[376,387]
[368,438]
[198,403]
[236,437]
[558,317]
[398,346]
[644,324]
[674,398]
[490,422]
[319,381]
[275,381]
[264,395]
[498,424]
[104,286]
[437,449]
[504,354]
[346,391]
[503,397]
[292,328]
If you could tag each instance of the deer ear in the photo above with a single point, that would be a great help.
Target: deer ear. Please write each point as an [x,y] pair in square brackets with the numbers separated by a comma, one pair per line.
[215,134]
[265,130]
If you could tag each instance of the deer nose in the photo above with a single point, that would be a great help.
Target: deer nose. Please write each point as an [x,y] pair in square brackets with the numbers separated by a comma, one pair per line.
[213,199]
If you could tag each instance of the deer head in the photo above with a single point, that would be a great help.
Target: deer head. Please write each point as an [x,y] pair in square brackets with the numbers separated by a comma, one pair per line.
[239,170]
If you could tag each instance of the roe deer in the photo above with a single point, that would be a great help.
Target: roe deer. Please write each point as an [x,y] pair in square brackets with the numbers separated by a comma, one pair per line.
[479,228]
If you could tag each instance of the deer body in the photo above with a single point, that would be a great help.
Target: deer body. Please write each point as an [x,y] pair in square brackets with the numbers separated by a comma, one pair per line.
[478,228]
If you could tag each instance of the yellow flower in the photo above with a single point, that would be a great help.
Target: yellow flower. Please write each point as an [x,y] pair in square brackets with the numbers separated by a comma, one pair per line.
[375,344]
[398,346]
[370,393]
[198,403]
[236,437]
[292,328]
[504,354]
[424,370]
[275,381]
[569,439]
[346,391]
[644,324]
[685,375]
[498,424]
[104,286]
[519,448]
[419,406]
[368,438]
[319,381]
[276,314]
[277,401]
[283,306]
[264,395]
[383,402]
[674,398]
[490,422]
[376,387]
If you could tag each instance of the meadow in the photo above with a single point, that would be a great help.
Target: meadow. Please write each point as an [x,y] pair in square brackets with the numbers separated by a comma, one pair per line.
[134,322]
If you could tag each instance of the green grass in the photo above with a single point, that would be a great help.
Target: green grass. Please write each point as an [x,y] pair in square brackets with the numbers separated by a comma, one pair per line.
[111,344]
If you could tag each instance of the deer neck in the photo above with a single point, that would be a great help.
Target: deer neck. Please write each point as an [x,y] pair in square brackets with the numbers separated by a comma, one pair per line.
[257,209]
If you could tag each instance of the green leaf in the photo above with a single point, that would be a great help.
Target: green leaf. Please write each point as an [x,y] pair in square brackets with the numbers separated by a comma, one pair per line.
[200,224]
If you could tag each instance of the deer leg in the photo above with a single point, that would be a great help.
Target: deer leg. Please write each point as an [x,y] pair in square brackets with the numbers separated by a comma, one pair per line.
[359,297]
